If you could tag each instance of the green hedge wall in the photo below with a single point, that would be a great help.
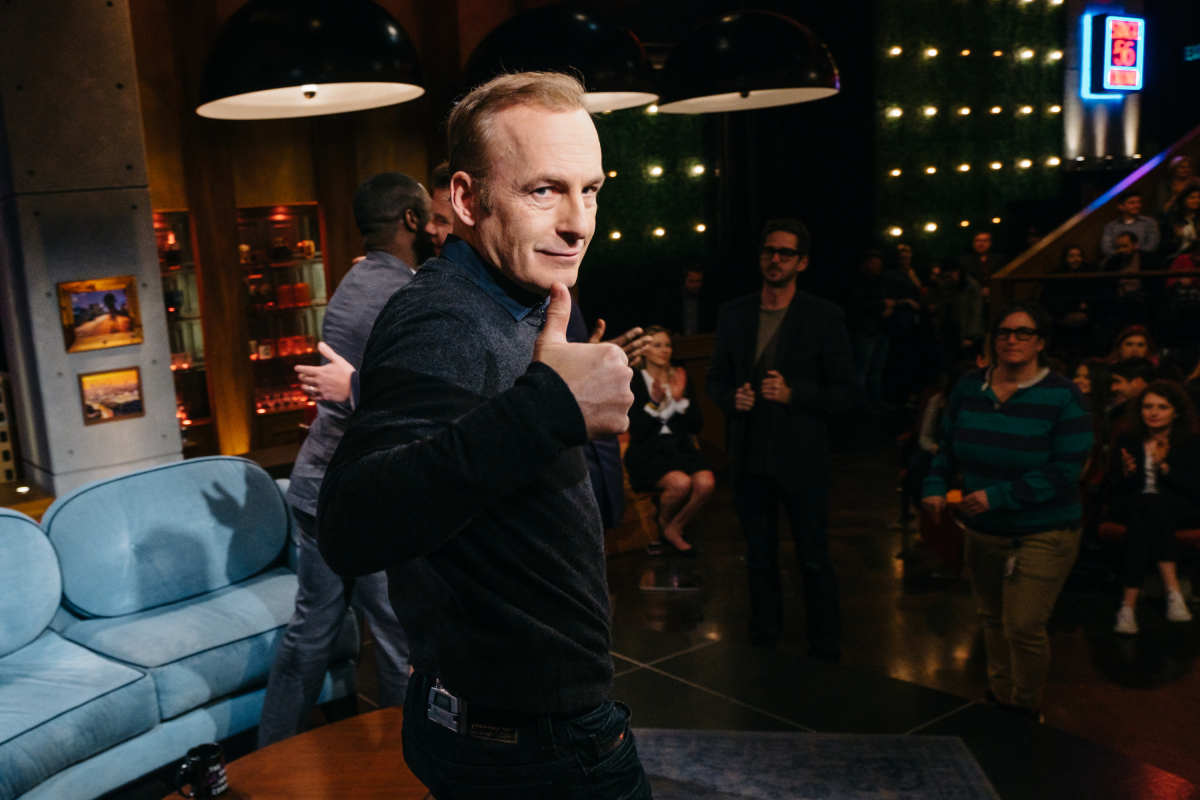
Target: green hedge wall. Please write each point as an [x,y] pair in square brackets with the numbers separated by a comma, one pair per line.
[980,80]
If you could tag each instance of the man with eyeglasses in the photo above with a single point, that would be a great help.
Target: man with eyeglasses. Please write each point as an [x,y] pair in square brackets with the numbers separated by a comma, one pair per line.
[782,363]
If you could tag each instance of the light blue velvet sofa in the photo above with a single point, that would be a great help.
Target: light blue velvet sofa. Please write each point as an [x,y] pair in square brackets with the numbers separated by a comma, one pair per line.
[140,620]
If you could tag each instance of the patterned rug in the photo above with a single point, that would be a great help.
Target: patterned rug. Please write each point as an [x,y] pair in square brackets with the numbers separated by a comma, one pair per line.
[721,765]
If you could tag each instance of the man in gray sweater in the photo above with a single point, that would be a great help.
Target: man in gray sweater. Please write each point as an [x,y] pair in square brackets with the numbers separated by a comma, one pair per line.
[462,472]
[391,211]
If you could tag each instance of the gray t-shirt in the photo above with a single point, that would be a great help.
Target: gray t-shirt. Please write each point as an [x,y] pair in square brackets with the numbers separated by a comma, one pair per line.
[757,459]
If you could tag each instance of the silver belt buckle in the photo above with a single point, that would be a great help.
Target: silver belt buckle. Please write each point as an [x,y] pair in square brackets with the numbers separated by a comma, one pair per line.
[447,710]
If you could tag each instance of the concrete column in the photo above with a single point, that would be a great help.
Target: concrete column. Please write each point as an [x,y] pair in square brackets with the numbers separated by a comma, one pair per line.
[74,205]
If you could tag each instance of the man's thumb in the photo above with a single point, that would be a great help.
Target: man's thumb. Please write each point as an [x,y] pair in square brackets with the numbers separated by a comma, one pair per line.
[329,353]
[558,315]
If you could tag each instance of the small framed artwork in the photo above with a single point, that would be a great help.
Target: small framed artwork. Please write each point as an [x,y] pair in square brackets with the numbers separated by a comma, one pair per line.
[111,396]
[99,314]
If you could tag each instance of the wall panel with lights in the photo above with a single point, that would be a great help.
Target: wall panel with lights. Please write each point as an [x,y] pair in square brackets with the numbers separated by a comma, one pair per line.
[969,118]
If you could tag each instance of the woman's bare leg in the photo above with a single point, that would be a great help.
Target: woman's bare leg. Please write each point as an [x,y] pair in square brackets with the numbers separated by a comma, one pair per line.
[702,489]
[676,489]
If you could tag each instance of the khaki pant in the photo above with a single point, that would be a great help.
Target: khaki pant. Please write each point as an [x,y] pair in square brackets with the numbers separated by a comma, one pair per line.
[1016,582]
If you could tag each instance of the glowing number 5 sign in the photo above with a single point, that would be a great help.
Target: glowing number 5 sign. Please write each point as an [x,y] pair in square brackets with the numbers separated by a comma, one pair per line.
[1123,50]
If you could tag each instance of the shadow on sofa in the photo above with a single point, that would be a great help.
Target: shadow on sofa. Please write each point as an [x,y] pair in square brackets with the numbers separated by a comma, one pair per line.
[140,620]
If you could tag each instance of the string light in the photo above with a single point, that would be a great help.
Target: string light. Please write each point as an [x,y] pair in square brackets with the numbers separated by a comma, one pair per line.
[930,170]
[1055,55]
[964,167]
[1053,161]
[895,51]
[612,173]
[1026,109]
[895,231]
[1055,109]
[995,220]
[895,173]
[931,226]
[964,111]
[701,228]
[996,165]
[965,53]
[964,224]
[659,232]
[930,111]
[995,109]
[894,112]
[615,235]
[997,53]
[931,52]
[656,171]
[1026,54]
[698,169]
[22,490]
[652,109]
[1024,163]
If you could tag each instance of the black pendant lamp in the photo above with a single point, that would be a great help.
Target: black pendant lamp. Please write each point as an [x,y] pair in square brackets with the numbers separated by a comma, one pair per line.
[608,58]
[302,58]
[751,59]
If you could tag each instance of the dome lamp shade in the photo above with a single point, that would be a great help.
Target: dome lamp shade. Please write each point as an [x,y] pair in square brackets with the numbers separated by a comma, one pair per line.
[606,57]
[746,60]
[302,58]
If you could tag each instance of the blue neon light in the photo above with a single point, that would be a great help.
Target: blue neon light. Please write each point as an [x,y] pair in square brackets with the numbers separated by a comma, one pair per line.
[1085,88]
[1141,53]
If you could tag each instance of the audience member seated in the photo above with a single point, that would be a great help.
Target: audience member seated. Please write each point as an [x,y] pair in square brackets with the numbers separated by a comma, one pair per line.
[981,262]
[1094,379]
[1130,302]
[1134,341]
[870,307]
[1181,302]
[1154,489]
[1072,303]
[662,455]
[1183,172]
[1179,225]
[957,305]
[687,305]
[1144,229]
[1129,379]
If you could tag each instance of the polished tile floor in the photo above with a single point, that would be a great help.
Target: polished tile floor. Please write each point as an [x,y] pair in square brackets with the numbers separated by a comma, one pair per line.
[1123,716]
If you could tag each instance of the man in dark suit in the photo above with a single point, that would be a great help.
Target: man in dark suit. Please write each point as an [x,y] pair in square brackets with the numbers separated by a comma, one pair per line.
[392,211]
[781,364]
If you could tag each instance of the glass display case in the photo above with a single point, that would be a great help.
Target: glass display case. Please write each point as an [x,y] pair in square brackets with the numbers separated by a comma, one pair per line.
[280,252]
[181,298]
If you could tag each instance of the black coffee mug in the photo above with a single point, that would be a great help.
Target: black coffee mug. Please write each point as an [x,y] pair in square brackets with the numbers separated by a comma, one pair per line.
[204,769]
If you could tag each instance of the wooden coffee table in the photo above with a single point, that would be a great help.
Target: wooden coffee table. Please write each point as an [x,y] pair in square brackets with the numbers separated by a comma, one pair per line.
[361,758]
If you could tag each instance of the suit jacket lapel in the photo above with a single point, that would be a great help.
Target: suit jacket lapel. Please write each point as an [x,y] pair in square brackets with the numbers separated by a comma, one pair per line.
[788,330]
[750,334]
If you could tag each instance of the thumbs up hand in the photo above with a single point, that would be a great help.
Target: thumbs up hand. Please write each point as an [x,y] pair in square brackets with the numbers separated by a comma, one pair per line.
[598,375]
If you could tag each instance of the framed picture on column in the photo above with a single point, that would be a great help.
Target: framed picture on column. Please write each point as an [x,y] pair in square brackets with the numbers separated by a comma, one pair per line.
[112,395]
[100,313]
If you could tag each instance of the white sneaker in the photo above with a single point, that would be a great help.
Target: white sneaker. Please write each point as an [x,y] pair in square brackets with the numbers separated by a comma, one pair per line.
[1126,621]
[1177,609]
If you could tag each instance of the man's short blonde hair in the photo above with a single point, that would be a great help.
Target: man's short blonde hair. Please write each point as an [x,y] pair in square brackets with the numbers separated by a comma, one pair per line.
[472,124]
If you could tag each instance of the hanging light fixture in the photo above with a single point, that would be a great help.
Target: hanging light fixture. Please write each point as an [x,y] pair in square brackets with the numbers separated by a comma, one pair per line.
[608,58]
[302,58]
[746,60]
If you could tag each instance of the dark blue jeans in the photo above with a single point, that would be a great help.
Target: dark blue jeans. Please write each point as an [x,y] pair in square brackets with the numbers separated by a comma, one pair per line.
[757,499]
[592,757]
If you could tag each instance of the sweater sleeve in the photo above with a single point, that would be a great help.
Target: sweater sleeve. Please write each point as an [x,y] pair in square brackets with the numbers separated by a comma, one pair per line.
[1070,447]
[425,453]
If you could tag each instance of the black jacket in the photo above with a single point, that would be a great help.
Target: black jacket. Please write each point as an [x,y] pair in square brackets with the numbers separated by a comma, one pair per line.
[1183,474]
[643,427]
[816,362]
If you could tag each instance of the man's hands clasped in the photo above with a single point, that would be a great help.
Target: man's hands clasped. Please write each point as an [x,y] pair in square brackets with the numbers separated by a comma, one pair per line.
[774,388]
[597,374]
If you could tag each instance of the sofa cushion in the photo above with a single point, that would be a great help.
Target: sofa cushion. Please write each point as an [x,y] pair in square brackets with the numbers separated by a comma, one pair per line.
[61,704]
[159,535]
[200,649]
[30,584]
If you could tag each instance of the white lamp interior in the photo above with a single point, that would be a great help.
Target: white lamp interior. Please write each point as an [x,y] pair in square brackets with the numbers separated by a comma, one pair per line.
[291,101]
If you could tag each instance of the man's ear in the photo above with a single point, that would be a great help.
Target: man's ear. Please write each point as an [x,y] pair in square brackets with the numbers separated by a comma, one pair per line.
[803,265]
[464,198]
[412,220]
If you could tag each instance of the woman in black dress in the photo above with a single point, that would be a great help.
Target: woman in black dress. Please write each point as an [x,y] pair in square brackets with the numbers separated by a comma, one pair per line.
[662,451]
[1154,488]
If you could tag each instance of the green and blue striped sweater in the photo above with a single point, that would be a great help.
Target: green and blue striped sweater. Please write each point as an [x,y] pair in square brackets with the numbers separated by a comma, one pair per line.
[1027,452]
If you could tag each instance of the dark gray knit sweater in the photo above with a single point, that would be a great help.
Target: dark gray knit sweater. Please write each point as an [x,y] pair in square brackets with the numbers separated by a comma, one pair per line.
[462,474]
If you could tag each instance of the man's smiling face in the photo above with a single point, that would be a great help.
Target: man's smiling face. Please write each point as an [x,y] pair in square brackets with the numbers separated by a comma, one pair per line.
[545,173]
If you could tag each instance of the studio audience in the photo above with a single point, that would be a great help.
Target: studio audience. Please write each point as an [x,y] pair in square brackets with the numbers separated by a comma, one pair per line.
[1131,220]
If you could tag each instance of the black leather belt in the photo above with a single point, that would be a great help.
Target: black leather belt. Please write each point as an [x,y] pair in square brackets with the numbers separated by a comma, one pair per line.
[468,718]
